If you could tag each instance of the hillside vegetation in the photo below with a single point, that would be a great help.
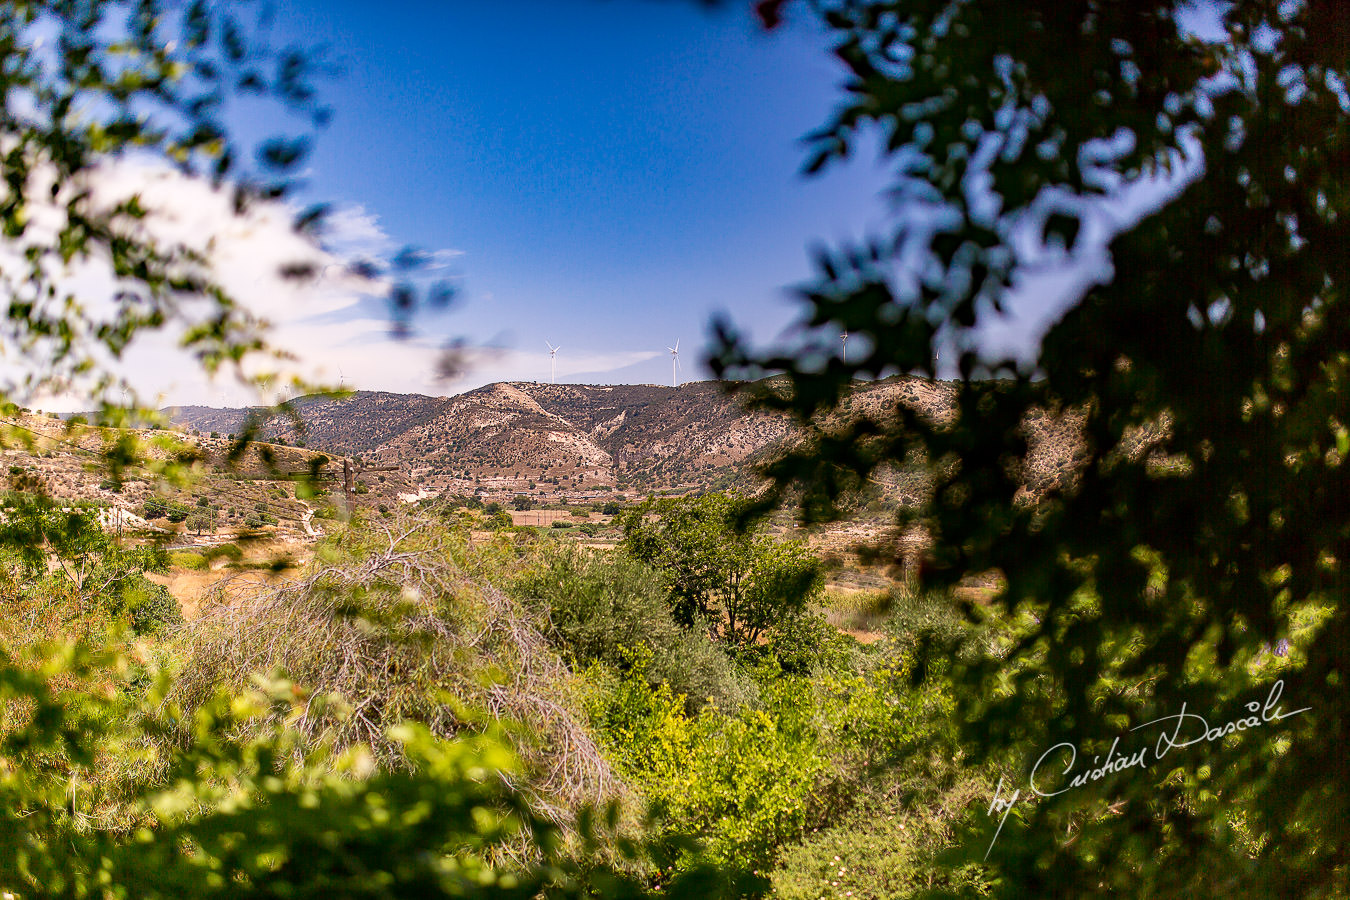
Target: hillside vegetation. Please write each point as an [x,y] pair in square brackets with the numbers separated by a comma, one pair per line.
[543,680]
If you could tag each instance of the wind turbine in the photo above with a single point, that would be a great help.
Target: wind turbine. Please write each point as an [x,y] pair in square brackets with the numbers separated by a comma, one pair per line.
[843,340]
[674,362]
[552,361]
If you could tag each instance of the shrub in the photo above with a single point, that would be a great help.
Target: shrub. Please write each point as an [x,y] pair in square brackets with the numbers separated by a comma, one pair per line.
[185,559]
[922,615]
[232,552]
[880,855]
[743,782]
[604,607]
[807,642]
[149,607]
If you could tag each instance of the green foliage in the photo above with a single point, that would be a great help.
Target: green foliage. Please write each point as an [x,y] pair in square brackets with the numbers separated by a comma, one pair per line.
[806,642]
[755,780]
[62,558]
[745,781]
[161,508]
[610,608]
[741,584]
[1202,518]
[201,521]
[231,552]
[265,816]
[522,502]
[149,607]
[880,854]
[186,559]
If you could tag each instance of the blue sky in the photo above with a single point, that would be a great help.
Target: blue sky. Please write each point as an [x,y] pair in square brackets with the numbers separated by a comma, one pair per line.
[605,175]
[609,174]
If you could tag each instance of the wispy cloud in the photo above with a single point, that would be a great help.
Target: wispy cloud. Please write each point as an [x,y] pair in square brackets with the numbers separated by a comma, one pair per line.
[333,327]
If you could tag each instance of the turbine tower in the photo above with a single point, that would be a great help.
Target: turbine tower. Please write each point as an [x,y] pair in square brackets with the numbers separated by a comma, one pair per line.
[674,363]
[552,362]
[843,341]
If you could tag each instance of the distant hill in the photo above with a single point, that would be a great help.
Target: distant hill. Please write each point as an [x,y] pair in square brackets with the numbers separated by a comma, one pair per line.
[520,437]
[543,439]
[551,442]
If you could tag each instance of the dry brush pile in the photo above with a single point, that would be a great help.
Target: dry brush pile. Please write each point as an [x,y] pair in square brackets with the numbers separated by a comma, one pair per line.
[398,621]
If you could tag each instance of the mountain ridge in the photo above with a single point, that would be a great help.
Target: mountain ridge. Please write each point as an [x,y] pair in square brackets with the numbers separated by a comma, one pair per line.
[564,440]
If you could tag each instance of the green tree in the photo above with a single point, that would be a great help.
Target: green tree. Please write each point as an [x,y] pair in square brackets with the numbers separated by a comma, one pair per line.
[739,583]
[198,522]
[1202,522]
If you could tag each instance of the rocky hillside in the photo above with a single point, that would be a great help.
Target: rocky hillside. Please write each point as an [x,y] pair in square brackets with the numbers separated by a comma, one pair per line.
[505,438]
[587,442]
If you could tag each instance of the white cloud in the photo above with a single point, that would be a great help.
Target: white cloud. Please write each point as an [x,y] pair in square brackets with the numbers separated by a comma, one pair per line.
[327,325]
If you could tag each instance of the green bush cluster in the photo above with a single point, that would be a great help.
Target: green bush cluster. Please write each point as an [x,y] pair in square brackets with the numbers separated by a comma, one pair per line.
[186,559]
[609,608]
[160,508]
[149,607]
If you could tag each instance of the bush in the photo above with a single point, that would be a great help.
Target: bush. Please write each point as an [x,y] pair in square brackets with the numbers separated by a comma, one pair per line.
[880,855]
[745,782]
[605,606]
[232,552]
[807,642]
[185,559]
[149,607]
[923,615]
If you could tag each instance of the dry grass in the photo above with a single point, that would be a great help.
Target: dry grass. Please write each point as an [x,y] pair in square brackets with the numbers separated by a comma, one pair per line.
[397,625]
